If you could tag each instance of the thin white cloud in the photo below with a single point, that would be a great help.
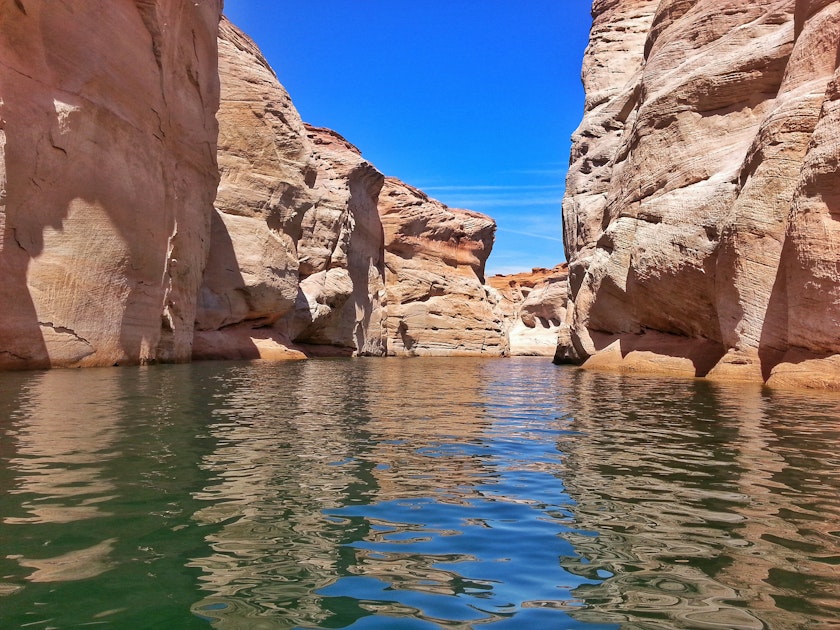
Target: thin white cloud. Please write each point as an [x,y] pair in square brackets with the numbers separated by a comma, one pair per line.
[559,172]
[550,169]
[531,234]
[483,197]
[491,188]
[478,202]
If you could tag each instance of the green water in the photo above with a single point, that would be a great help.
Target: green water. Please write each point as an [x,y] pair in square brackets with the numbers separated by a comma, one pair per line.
[425,493]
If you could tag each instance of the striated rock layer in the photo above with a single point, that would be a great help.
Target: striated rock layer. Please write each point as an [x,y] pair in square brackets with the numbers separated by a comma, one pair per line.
[702,191]
[436,302]
[310,255]
[113,250]
[341,253]
[533,307]
[107,178]
[251,278]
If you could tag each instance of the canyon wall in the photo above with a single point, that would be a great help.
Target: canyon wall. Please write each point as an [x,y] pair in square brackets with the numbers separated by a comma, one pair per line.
[315,252]
[532,306]
[435,301]
[107,178]
[699,218]
[295,261]
[250,280]
[161,200]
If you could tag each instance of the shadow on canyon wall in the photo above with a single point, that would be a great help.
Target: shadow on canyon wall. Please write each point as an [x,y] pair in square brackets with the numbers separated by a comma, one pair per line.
[106,148]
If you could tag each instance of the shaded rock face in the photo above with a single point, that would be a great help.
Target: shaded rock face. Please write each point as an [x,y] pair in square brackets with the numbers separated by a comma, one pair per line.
[703,179]
[532,306]
[107,178]
[436,302]
[296,251]
[340,253]
[113,251]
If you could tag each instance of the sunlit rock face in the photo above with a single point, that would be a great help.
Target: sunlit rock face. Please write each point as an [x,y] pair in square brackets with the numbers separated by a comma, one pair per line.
[302,233]
[295,262]
[298,256]
[436,300]
[113,251]
[251,278]
[697,218]
[532,306]
[806,290]
[107,178]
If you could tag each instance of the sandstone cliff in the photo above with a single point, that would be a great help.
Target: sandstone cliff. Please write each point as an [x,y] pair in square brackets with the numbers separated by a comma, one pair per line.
[436,302]
[295,264]
[341,255]
[251,278]
[698,219]
[532,306]
[311,256]
[107,178]
[114,252]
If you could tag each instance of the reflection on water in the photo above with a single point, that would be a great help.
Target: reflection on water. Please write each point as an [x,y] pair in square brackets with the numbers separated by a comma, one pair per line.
[61,450]
[347,493]
[716,506]
[96,469]
[451,493]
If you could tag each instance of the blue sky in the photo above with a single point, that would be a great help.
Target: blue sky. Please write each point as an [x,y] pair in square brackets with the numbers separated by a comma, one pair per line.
[473,101]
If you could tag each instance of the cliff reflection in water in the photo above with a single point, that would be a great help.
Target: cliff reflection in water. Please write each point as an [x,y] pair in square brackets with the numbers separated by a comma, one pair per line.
[414,493]
[63,446]
[715,505]
[280,435]
[297,447]
[96,470]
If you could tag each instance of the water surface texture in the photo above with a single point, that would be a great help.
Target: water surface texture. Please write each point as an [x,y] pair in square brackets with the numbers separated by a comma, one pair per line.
[413,493]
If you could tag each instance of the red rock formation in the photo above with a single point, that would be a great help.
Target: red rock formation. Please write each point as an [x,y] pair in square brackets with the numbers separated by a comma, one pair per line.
[112,251]
[436,302]
[532,306]
[295,260]
[340,252]
[107,178]
[302,237]
[806,292]
[700,188]
[251,278]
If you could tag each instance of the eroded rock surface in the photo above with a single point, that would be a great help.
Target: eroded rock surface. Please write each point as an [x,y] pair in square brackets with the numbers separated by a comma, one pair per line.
[107,178]
[114,252]
[340,252]
[295,262]
[265,163]
[699,201]
[436,302]
[533,306]
[298,256]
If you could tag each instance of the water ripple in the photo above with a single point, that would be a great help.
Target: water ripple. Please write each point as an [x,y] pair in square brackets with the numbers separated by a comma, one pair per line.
[451,493]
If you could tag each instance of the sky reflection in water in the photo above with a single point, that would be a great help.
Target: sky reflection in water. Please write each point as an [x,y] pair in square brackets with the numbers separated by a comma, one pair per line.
[432,493]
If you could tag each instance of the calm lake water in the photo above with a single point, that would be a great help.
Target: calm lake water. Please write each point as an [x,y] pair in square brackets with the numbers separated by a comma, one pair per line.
[413,493]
